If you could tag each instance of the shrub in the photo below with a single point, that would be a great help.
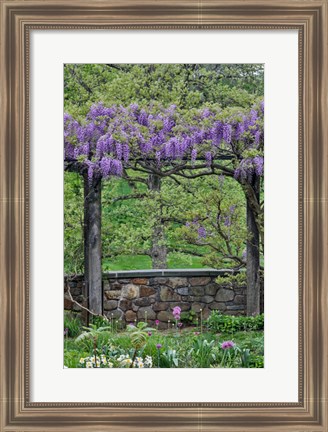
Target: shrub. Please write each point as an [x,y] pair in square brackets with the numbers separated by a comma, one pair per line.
[219,323]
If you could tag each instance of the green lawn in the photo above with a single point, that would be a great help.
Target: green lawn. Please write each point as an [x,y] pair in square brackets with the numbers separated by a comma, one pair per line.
[143,262]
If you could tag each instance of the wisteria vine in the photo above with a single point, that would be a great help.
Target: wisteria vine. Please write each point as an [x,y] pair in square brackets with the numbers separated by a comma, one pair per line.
[112,138]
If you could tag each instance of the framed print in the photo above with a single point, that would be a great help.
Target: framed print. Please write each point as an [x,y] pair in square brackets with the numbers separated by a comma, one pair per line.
[133,142]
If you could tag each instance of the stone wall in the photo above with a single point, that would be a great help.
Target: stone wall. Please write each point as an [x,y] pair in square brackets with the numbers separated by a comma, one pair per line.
[131,296]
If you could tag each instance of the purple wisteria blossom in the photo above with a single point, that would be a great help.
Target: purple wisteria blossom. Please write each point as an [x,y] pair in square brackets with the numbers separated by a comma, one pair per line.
[111,138]
[249,167]
[201,232]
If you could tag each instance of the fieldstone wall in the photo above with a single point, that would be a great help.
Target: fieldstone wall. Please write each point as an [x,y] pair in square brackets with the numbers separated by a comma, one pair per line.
[131,296]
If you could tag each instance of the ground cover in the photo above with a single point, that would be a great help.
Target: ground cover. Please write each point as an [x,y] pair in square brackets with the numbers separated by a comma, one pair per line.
[217,342]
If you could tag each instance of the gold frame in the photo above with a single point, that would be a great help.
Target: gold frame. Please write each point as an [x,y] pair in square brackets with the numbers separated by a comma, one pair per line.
[310,18]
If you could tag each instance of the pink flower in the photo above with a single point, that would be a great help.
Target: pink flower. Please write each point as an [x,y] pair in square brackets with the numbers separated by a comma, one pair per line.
[176,312]
[180,324]
[157,322]
[196,333]
[227,345]
[158,346]
[149,333]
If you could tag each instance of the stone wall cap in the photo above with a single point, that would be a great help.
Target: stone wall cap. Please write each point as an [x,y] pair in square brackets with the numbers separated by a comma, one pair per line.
[168,273]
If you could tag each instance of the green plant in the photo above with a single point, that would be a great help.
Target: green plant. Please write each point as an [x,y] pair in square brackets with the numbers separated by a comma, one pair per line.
[169,358]
[92,333]
[244,354]
[188,317]
[73,324]
[202,352]
[232,279]
[219,323]
[139,336]
[72,357]
[100,321]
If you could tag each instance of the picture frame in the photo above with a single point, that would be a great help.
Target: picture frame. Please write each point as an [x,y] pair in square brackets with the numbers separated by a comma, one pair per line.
[310,413]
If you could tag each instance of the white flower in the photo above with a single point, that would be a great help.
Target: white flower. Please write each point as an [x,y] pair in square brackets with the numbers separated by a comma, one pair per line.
[138,362]
[88,364]
[148,362]
[82,360]
[126,362]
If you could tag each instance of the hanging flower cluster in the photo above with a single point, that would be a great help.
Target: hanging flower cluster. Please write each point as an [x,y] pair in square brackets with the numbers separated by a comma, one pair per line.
[111,138]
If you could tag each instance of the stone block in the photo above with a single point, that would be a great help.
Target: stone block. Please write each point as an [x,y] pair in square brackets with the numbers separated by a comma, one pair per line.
[114,314]
[206,313]
[159,281]
[184,306]
[221,307]
[130,316]
[202,280]
[167,294]
[160,306]
[177,282]
[130,291]
[125,304]
[143,301]
[145,291]
[139,281]
[110,304]
[235,308]
[183,291]
[142,313]
[207,299]
[239,299]
[197,306]
[197,290]
[224,294]
[211,289]
[165,316]
[112,295]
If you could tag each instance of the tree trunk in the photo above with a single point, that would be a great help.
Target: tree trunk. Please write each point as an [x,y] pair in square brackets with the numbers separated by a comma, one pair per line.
[158,248]
[92,245]
[253,258]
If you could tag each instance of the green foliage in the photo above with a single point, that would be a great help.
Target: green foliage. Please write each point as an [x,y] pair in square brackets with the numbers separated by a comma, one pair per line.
[169,359]
[139,334]
[73,223]
[72,358]
[219,323]
[128,224]
[72,322]
[101,322]
[203,353]
[188,317]
[185,85]
[237,279]
[134,347]
[130,211]
[94,337]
